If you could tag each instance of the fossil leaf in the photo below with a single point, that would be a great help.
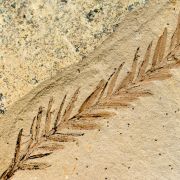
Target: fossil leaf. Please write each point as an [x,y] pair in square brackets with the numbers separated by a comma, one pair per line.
[62,138]
[173,65]
[51,147]
[156,52]
[71,134]
[163,45]
[131,75]
[103,91]
[17,153]
[58,118]
[91,100]
[159,75]
[132,96]
[134,66]
[32,129]
[41,155]
[173,40]
[144,65]
[32,134]
[38,123]
[123,99]
[5,174]
[34,166]
[48,116]
[100,114]
[140,93]
[113,79]
[83,126]
[70,106]
[124,82]
[113,103]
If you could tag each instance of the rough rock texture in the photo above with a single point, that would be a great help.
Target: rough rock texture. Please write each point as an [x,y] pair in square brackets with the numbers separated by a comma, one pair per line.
[141,142]
[38,38]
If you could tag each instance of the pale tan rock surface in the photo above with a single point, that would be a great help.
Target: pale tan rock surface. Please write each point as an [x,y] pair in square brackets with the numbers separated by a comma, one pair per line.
[141,142]
[38,38]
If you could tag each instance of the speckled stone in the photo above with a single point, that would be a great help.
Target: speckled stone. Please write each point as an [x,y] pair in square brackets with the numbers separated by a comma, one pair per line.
[39,37]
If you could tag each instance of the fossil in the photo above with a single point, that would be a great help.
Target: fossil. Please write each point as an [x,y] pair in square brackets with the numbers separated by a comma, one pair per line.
[44,138]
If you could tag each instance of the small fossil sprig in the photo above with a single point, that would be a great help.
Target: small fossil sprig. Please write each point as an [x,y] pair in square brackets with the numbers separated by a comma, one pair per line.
[46,135]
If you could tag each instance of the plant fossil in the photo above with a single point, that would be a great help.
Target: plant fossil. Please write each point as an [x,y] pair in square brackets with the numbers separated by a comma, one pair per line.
[46,136]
